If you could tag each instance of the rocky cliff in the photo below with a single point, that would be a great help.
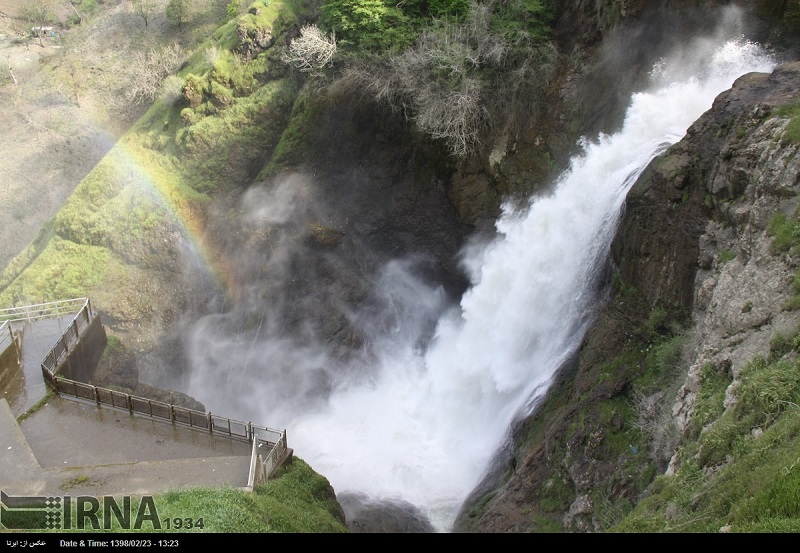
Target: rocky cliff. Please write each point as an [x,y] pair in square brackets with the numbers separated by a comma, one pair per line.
[701,284]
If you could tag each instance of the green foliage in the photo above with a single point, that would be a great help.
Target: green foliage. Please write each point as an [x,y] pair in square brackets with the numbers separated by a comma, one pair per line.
[294,141]
[768,389]
[663,365]
[146,188]
[422,9]
[548,525]
[177,12]
[28,255]
[373,25]
[555,495]
[794,302]
[710,397]
[778,347]
[792,133]
[726,256]
[743,472]
[62,270]
[658,322]
[232,10]
[245,128]
[622,287]
[785,231]
[522,21]
[297,500]
[124,204]
[114,349]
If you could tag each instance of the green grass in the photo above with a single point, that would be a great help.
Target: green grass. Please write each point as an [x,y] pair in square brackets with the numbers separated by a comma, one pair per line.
[743,471]
[786,233]
[725,256]
[296,500]
[792,133]
[39,404]
[155,182]
[556,495]
[708,402]
[63,270]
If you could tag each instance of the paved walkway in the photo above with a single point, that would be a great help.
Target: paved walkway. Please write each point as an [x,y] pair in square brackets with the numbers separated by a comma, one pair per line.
[27,386]
[68,447]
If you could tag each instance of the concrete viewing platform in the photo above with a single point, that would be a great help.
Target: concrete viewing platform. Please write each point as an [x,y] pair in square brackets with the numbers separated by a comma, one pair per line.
[68,446]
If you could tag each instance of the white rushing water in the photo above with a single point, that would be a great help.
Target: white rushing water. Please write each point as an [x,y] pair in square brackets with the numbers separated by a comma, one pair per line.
[424,425]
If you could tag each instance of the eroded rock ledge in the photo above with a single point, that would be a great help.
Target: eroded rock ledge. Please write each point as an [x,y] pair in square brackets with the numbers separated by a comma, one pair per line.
[695,255]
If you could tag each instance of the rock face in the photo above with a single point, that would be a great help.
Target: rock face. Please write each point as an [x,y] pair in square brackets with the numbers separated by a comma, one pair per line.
[118,370]
[695,247]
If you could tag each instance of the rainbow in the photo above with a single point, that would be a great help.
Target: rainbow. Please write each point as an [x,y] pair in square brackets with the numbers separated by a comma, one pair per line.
[137,172]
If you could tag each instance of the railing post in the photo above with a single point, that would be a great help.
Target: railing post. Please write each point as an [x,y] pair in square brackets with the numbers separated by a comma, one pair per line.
[172,414]
[250,436]
[130,403]
[210,425]
[96,395]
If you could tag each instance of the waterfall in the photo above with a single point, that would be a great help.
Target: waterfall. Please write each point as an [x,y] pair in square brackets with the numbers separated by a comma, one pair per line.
[423,425]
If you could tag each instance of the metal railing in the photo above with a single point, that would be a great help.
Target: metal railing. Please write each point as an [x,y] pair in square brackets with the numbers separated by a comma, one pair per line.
[39,311]
[69,338]
[167,412]
[264,460]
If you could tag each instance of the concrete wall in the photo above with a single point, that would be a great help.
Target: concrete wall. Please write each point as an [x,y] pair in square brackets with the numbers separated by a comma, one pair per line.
[9,362]
[83,358]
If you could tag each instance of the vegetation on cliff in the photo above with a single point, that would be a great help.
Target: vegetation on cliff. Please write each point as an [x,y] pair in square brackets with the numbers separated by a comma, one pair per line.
[296,500]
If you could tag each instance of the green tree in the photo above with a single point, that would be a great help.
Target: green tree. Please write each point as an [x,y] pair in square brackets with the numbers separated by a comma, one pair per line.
[145,9]
[38,15]
[233,9]
[177,12]
[377,25]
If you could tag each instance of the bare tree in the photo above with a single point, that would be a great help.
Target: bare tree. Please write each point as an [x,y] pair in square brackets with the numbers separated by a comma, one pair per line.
[146,9]
[434,83]
[10,71]
[148,69]
[311,51]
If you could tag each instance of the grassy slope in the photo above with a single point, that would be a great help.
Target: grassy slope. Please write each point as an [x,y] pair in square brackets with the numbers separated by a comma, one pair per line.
[297,500]
[740,470]
[159,177]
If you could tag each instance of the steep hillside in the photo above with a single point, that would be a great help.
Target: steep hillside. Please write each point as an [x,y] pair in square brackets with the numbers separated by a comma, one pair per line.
[702,284]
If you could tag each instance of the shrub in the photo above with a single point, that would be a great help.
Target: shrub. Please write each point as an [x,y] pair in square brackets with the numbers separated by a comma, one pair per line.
[312,50]
[147,70]
[377,25]
[792,133]
[177,12]
[785,231]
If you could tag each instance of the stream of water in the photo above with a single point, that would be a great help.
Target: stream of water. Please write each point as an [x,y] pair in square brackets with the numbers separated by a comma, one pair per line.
[423,426]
